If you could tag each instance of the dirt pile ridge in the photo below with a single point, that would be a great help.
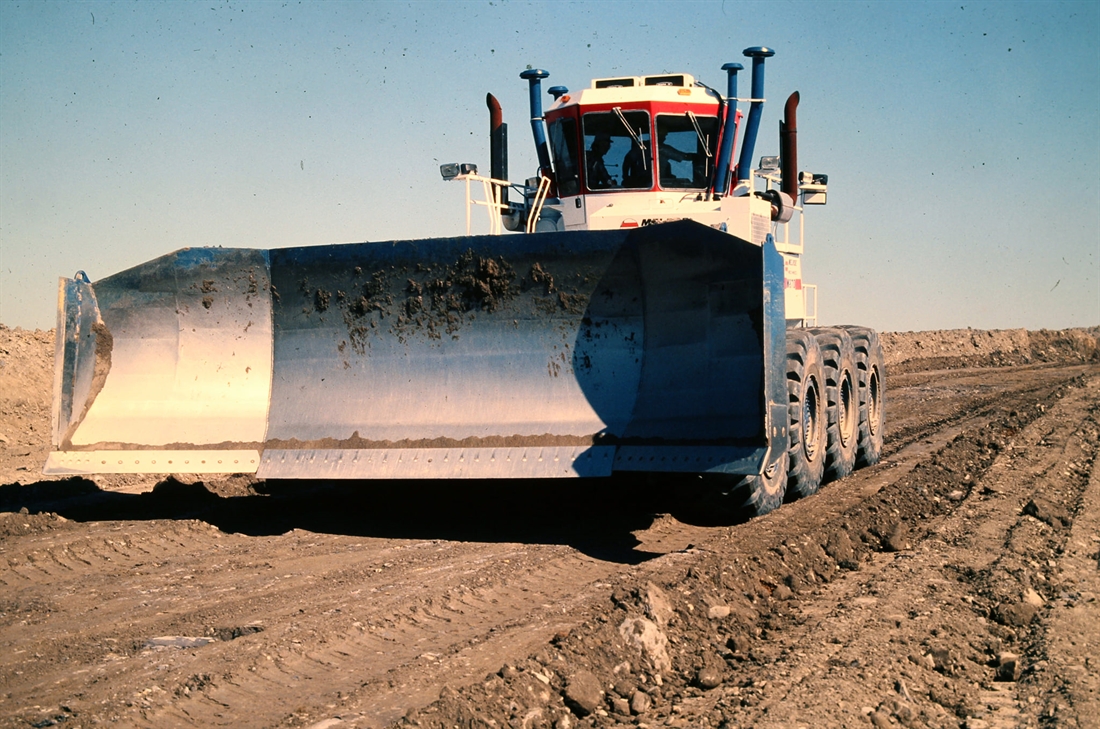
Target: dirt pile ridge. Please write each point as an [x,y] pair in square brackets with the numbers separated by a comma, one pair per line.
[956,348]
[26,386]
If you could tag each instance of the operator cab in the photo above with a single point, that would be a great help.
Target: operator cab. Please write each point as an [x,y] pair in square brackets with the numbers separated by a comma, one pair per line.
[602,138]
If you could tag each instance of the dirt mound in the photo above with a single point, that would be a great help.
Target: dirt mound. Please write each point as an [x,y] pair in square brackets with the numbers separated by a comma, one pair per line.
[1066,345]
[956,348]
[26,386]
[26,368]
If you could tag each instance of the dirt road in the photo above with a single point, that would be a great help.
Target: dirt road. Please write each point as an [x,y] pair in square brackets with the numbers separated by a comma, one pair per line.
[955,584]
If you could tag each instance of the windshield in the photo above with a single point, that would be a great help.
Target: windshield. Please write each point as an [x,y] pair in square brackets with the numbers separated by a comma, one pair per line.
[686,145]
[563,144]
[616,150]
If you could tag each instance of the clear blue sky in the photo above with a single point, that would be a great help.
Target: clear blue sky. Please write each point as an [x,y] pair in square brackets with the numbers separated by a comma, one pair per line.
[962,140]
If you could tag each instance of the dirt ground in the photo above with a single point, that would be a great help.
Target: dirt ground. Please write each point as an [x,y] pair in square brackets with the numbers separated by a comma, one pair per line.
[955,584]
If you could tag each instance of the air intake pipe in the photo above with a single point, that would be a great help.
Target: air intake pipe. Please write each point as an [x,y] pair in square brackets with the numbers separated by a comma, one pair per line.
[729,129]
[534,77]
[744,163]
[498,144]
[788,147]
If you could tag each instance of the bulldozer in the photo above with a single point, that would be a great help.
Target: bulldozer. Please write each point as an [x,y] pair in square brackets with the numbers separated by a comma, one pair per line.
[649,315]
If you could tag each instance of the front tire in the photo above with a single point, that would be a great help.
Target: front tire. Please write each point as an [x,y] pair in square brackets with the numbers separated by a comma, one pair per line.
[765,492]
[729,499]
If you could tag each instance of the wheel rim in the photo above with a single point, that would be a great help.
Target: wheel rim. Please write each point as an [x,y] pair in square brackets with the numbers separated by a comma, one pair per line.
[845,402]
[873,403]
[811,413]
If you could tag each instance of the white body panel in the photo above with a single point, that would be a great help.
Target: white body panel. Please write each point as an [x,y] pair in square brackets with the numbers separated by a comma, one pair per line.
[747,217]
[793,295]
[689,93]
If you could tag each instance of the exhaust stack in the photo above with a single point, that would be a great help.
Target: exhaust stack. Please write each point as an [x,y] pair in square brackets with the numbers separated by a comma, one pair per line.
[534,78]
[788,147]
[729,129]
[498,144]
[757,54]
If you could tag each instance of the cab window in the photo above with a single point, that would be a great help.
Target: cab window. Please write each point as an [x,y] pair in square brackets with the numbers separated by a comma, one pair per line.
[563,145]
[686,148]
[617,150]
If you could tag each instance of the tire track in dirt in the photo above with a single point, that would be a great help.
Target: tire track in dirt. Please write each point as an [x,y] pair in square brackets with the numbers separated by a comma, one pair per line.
[973,393]
[490,589]
[919,441]
[889,631]
[401,650]
[1068,671]
[498,587]
[924,593]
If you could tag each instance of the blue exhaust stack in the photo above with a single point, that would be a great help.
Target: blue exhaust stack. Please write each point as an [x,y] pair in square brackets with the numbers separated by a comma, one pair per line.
[534,77]
[744,163]
[721,175]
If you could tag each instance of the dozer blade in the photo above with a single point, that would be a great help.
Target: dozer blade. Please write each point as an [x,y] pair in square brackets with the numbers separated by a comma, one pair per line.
[546,355]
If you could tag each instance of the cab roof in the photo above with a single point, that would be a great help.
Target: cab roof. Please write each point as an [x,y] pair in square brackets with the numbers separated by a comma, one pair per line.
[668,79]
[668,87]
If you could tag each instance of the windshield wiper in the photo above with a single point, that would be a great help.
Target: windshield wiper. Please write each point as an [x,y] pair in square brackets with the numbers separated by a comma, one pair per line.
[637,140]
[699,133]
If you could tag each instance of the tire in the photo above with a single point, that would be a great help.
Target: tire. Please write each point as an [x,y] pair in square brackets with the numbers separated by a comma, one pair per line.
[842,402]
[871,376]
[765,492]
[806,398]
[729,499]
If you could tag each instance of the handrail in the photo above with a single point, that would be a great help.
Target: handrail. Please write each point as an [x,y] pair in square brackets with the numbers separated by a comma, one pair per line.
[492,190]
[537,203]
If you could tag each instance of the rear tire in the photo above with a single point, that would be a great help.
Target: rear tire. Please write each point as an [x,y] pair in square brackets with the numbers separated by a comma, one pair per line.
[842,408]
[808,423]
[870,373]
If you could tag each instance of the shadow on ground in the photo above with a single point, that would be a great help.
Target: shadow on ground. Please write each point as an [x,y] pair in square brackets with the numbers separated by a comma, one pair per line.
[594,516]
